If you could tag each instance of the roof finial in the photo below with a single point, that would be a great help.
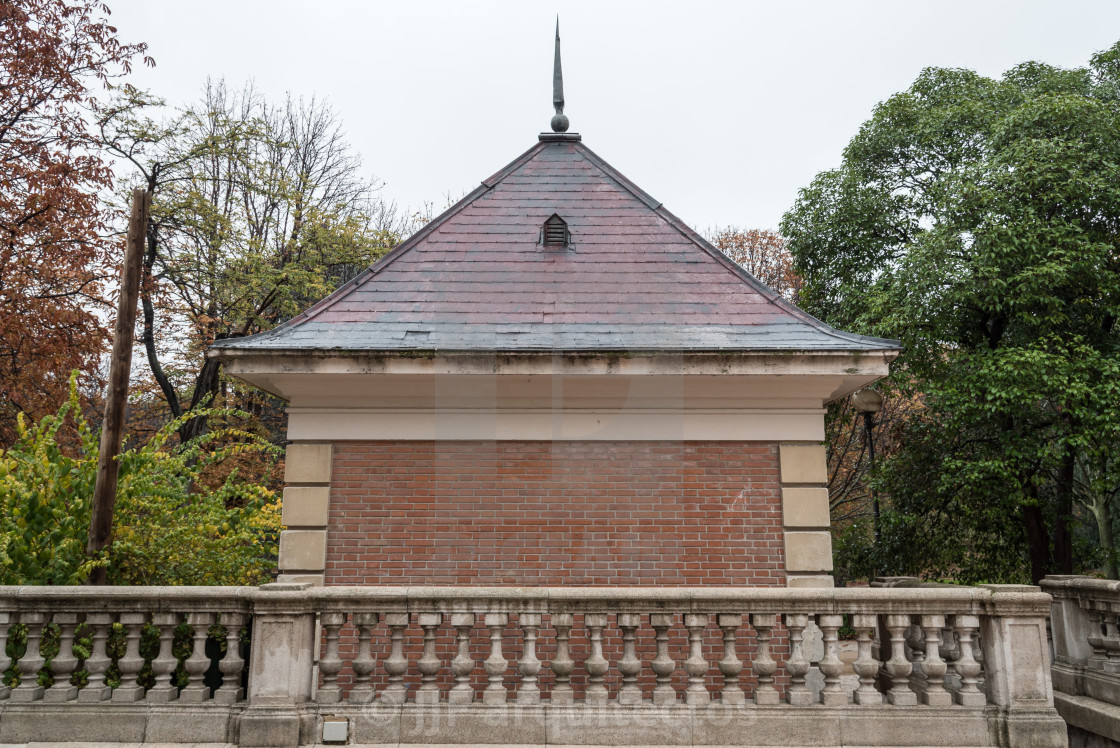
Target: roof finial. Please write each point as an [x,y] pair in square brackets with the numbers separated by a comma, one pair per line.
[559,120]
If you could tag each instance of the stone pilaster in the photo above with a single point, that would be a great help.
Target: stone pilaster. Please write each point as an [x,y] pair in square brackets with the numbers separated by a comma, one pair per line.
[303,542]
[805,517]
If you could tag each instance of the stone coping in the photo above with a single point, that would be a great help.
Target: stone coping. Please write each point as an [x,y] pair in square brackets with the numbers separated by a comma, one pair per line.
[1088,592]
[1078,586]
[119,599]
[990,600]
[274,598]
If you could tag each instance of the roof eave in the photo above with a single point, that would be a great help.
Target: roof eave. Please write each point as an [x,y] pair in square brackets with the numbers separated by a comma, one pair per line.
[226,355]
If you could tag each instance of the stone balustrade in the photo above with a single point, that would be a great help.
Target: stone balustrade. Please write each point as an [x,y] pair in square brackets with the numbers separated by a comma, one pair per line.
[1085,629]
[95,650]
[602,666]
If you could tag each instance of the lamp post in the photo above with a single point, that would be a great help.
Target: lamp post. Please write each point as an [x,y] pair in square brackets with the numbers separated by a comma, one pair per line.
[869,402]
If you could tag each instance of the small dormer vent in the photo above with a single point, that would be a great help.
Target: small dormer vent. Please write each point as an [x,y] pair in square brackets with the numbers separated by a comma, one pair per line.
[554,233]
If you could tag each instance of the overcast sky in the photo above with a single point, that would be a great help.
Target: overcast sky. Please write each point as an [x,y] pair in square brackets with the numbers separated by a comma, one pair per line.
[721,110]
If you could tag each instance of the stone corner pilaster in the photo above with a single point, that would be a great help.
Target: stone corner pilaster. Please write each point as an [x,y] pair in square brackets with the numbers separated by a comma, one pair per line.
[805,514]
[306,510]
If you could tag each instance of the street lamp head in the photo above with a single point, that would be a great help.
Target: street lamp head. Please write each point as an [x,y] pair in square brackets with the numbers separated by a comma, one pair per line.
[867,400]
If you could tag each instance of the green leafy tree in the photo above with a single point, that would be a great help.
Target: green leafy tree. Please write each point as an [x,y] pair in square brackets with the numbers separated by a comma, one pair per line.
[977,220]
[174,523]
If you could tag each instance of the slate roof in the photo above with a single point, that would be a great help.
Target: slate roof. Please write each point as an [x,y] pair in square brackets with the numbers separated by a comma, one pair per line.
[478,278]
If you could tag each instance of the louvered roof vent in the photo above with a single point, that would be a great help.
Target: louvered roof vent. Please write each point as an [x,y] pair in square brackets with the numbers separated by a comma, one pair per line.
[554,233]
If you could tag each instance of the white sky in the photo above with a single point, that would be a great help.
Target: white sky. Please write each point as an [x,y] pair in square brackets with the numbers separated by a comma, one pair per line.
[722,110]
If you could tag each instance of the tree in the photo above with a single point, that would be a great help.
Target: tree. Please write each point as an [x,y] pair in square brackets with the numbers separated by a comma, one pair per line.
[54,256]
[763,254]
[258,211]
[977,221]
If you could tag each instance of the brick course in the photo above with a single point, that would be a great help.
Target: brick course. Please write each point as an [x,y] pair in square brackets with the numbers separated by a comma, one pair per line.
[555,513]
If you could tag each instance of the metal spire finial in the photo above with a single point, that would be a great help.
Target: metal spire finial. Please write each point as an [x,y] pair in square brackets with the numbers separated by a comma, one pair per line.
[559,120]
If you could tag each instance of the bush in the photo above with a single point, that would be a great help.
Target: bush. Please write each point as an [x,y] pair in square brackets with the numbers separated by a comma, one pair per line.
[170,527]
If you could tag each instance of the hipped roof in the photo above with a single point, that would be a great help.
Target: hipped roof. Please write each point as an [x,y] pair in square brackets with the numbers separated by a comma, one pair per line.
[477,279]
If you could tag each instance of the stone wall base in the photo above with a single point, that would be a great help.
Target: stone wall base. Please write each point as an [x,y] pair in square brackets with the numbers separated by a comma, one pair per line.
[46,724]
[1079,738]
[1092,716]
[85,724]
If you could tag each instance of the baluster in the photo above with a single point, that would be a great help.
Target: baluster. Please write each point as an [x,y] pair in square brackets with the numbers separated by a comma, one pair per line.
[364,663]
[866,666]
[63,664]
[798,664]
[966,665]
[978,655]
[98,663]
[629,666]
[898,667]
[330,663]
[1111,642]
[934,666]
[663,665]
[764,665]
[696,666]
[1096,639]
[496,664]
[562,664]
[5,660]
[529,666]
[916,644]
[131,662]
[165,661]
[198,663]
[463,664]
[730,665]
[596,665]
[232,663]
[429,663]
[396,663]
[28,688]
[832,694]
[950,651]
[950,648]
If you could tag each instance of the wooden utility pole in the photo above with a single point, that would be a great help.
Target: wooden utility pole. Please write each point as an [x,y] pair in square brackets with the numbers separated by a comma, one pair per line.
[120,366]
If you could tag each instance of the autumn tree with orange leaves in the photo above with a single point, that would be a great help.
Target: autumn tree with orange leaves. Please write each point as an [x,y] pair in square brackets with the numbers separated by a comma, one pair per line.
[763,254]
[54,250]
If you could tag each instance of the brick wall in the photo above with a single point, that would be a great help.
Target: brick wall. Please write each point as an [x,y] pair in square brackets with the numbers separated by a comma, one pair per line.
[551,513]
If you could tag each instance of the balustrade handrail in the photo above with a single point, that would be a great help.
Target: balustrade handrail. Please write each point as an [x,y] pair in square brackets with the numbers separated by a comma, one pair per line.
[120,599]
[977,600]
[983,600]
[1083,589]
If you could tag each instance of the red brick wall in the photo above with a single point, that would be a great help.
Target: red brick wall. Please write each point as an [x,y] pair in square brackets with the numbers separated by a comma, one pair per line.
[552,513]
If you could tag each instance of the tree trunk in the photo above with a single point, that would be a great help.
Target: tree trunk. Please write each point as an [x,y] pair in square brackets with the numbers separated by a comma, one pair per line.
[205,387]
[1062,533]
[1101,512]
[165,386]
[1038,541]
